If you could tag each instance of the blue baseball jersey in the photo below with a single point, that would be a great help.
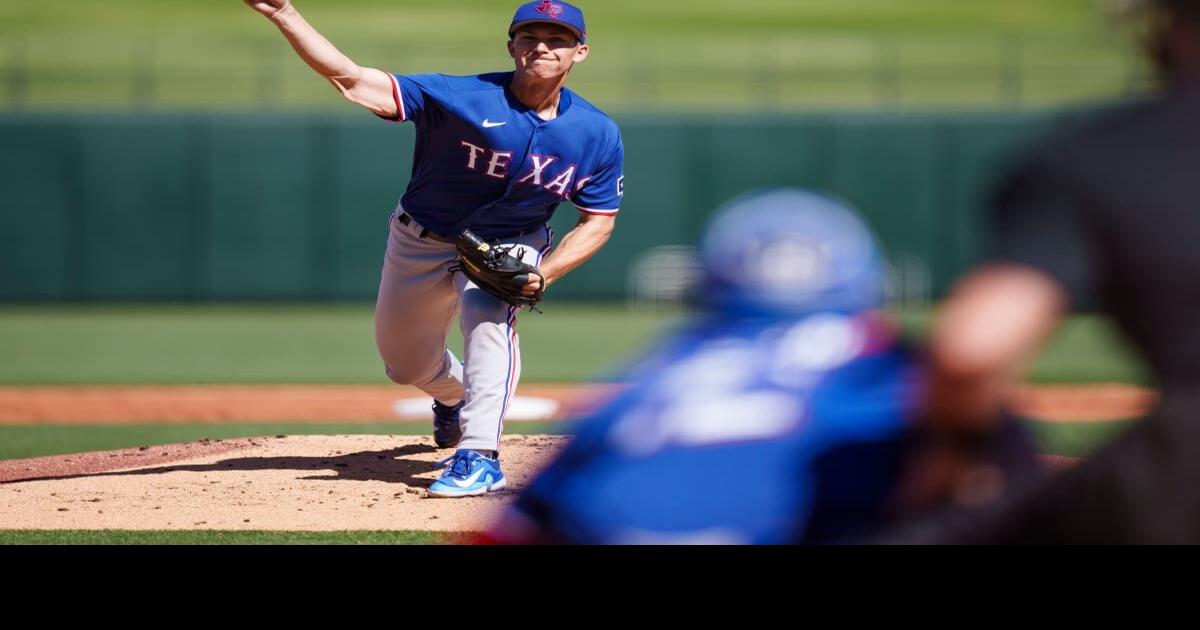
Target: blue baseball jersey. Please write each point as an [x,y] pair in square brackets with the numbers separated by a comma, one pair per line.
[484,160]
[746,432]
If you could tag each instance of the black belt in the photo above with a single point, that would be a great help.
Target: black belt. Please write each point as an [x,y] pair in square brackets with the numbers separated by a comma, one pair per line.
[425,233]
[404,219]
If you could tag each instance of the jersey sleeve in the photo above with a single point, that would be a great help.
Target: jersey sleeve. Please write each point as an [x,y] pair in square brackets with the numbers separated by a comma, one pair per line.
[416,94]
[601,192]
[1039,218]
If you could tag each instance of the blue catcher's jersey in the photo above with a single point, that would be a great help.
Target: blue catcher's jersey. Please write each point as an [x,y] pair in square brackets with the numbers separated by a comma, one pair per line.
[486,161]
[738,432]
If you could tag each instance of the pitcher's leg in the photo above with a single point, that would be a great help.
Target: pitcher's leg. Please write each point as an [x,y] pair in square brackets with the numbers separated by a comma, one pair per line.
[491,368]
[413,314]
[492,353]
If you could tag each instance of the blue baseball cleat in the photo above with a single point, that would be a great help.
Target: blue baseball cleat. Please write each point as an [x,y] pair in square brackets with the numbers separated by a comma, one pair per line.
[447,430]
[467,474]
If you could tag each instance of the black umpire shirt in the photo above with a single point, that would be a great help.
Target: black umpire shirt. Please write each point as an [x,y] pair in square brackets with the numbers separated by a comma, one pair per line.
[1111,209]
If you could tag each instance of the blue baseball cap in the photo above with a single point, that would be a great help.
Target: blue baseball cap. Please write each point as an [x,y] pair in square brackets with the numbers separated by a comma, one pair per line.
[551,12]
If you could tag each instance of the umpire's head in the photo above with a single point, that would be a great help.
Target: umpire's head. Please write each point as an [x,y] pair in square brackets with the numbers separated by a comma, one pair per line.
[1171,36]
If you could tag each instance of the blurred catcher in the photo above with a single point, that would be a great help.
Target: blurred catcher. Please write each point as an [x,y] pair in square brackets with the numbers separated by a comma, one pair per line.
[783,414]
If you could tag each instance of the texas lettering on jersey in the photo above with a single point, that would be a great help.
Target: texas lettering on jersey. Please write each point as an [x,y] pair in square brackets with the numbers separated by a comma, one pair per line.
[497,163]
[486,161]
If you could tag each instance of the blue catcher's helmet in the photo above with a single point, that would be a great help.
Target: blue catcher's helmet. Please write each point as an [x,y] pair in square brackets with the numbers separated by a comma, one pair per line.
[789,252]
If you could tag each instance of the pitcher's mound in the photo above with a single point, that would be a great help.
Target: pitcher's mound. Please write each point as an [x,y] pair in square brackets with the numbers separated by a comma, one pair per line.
[310,483]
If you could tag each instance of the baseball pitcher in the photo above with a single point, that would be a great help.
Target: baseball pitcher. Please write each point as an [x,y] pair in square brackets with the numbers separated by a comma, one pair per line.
[495,156]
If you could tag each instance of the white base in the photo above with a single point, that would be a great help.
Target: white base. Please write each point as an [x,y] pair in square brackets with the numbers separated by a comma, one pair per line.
[521,408]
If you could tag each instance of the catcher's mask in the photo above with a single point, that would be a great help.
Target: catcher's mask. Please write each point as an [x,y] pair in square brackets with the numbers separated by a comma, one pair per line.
[789,252]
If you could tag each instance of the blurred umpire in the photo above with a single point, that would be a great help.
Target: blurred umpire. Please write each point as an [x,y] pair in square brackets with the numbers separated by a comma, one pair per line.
[1107,214]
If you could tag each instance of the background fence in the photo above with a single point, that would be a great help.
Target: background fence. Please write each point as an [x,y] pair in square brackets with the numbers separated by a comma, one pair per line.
[283,207]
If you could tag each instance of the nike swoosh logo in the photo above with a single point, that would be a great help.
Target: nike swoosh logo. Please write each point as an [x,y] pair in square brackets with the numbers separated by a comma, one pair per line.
[469,480]
[487,124]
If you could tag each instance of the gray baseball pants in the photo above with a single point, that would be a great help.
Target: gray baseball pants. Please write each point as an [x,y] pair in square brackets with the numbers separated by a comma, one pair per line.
[418,299]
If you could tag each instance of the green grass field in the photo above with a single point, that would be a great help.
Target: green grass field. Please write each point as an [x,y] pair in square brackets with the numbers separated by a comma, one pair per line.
[80,345]
[672,54]
[278,344]
[97,345]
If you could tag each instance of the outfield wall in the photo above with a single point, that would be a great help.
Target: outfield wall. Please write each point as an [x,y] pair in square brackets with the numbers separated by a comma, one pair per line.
[293,207]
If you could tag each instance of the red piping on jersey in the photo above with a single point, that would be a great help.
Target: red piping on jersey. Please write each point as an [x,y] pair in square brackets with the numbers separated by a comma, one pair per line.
[396,96]
[592,211]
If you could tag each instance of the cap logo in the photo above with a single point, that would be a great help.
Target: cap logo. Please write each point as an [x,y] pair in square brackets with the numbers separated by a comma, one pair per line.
[549,8]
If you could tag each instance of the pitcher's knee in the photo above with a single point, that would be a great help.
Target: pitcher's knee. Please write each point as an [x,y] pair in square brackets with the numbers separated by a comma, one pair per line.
[419,376]
[402,375]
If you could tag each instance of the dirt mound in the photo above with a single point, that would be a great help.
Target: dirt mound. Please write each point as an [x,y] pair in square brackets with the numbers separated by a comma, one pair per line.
[297,483]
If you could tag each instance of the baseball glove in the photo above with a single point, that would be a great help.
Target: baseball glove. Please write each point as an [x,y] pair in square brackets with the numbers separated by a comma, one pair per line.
[492,268]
